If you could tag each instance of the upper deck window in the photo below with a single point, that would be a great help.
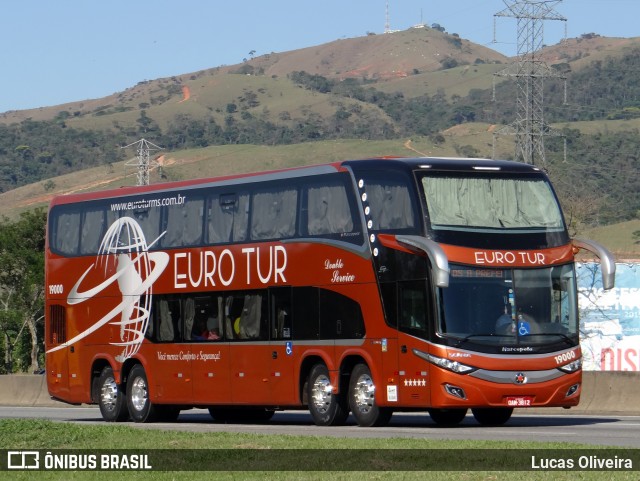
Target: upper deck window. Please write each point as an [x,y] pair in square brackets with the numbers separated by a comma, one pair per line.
[328,208]
[228,217]
[274,213]
[314,206]
[184,223]
[490,203]
[389,196]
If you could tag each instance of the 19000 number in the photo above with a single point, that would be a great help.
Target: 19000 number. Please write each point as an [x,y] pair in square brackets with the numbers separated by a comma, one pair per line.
[56,289]
[567,356]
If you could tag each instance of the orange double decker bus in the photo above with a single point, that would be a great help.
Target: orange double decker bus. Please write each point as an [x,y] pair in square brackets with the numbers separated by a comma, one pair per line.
[364,287]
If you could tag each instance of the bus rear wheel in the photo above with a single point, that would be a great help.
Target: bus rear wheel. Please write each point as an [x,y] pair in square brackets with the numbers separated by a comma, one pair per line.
[447,417]
[492,416]
[140,407]
[362,399]
[111,399]
[326,408]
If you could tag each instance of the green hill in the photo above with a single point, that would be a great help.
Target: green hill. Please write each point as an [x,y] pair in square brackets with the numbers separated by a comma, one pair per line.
[416,92]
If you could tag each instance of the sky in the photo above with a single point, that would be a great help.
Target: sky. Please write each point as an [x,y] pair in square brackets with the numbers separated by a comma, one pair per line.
[71,50]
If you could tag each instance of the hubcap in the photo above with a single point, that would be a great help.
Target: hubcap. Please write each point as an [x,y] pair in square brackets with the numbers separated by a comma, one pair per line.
[139,394]
[321,394]
[109,394]
[363,393]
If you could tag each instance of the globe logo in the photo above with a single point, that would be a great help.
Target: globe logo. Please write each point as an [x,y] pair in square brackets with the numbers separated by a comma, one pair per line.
[136,270]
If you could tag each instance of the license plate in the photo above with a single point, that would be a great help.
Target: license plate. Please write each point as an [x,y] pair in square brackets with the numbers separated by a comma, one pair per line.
[519,401]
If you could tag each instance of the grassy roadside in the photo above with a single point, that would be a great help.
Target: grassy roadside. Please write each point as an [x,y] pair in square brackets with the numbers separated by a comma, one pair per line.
[244,449]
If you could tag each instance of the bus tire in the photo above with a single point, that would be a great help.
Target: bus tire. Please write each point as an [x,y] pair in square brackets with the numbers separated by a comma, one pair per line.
[140,407]
[111,398]
[362,399]
[492,416]
[326,408]
[448,417]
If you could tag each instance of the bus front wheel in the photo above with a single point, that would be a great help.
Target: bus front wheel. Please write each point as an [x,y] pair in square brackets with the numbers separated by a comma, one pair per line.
[111,398]
[362,399]
[140,407]
[326,408]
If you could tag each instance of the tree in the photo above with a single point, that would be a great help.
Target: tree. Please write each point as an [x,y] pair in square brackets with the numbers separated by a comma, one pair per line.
[22,286]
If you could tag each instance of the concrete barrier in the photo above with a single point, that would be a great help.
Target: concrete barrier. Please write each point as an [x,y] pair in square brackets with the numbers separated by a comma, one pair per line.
[602,393]
[25,390]
[610,392]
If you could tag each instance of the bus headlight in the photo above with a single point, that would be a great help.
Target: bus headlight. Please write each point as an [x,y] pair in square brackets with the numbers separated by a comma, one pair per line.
[449,365]
[572,366]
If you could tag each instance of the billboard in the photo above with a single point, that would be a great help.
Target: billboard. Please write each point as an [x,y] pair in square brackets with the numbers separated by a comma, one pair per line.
[609,320]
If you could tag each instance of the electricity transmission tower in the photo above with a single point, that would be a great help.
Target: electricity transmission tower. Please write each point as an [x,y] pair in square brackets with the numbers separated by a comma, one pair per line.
[142,161]
[387,25]
[530,72]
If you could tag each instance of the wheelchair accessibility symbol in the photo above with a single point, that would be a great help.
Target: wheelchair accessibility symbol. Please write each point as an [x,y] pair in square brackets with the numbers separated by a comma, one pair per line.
[524,329]
[288,348]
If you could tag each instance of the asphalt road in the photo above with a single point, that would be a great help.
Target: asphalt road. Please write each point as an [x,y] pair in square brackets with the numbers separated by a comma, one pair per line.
[620,431]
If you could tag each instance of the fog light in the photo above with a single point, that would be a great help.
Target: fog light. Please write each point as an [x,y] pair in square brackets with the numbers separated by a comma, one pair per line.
[455,391]
[572,390]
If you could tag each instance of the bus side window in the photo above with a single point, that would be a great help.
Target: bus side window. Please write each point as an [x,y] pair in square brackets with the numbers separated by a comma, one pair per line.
[227,218]
[306,306]
[165,322]
[413,306]
[93,225]
[389,294]
[184,223]
[228,320]
[207,311]
[340,317]
[251,317]
[245,316]
[149,221]
[328,209]
[189,318]
[280,313]
[67,232]
[273,213]
[390,202]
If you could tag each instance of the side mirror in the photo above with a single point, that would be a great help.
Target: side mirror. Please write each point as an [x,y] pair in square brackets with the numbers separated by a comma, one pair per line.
[607,261]
[439,261]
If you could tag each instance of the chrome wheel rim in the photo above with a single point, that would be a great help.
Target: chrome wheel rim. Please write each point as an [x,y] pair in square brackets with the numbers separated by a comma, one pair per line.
[363,394]
[109,394]
[321,394]
[139,394]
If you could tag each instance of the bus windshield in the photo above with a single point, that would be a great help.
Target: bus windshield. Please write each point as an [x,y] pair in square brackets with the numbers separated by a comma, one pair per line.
[485,204]
[509,306]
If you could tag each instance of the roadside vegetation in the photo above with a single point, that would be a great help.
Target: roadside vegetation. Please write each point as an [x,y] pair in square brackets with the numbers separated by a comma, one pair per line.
[241,450]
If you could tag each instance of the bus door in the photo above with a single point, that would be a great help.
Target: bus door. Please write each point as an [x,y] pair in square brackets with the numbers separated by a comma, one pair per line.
[249,350]
[211,362]
[413,320]
[282,347]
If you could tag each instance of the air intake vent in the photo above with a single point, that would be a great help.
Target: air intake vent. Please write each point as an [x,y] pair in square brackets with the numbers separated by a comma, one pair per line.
[58,323]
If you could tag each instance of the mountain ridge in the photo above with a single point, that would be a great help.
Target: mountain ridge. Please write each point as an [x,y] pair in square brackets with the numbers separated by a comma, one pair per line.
[420,85]
[374,57]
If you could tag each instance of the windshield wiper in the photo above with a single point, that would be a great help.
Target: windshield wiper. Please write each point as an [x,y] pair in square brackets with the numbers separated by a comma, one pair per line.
[564,337]
[462,340]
